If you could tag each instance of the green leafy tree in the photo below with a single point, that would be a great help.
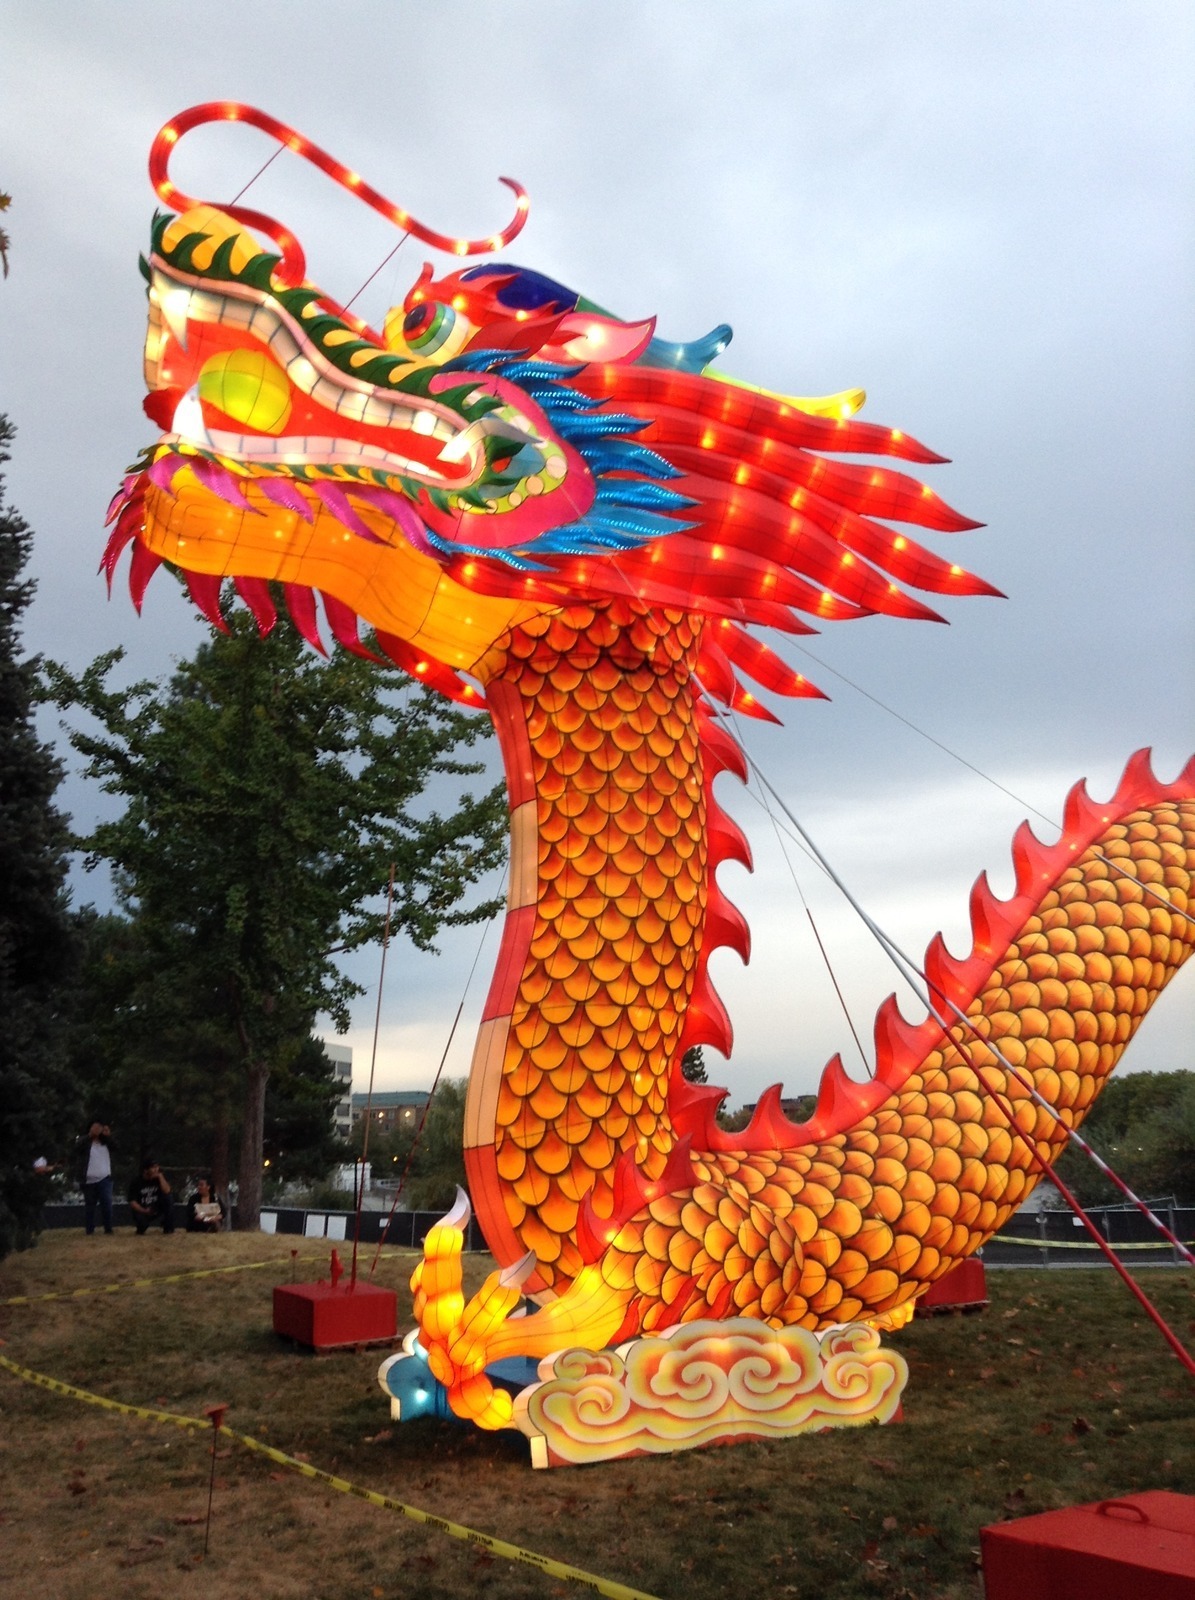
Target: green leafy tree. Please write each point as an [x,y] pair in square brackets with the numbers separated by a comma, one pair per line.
[37,946]
[264,795]
[1143,1124]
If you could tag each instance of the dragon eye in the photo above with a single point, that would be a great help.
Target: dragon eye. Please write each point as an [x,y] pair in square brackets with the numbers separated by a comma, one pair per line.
[428,326]
[248,387]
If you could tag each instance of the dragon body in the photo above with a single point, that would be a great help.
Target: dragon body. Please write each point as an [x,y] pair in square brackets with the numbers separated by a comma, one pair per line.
[545,510]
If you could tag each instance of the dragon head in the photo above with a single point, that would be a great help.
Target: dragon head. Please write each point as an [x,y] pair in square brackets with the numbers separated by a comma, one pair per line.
[503,448]
[419,481]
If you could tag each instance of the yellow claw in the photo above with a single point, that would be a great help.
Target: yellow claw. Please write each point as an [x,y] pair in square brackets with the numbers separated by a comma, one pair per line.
[457,1336]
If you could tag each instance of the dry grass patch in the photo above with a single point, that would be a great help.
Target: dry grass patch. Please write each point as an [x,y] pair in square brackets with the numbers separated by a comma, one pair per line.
[1060,1392]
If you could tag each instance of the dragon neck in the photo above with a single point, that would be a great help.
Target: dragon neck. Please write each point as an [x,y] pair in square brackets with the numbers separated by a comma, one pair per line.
[601,736]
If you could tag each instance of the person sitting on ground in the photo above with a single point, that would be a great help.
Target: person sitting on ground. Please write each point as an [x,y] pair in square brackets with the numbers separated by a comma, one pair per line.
[150,1198]
[205,1209]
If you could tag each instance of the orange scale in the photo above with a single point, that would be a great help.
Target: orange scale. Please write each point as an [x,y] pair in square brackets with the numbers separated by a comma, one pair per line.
[592,1101]
[604,1014]
[617,1122]
[509,1106]
[612,924]
[687,889]
[552,829]
[558,1212]
[510,1160]
[592,900]
[582,985]
[551,1152]
[545,1244]
[607,968]
[592,862]
[557,1006]
[589,740]
[532,1031]
[533,1186]
[559,963]
[597,1149]
[521,1080]
[547,1101]
[613,799]
[578,1031]
[630,859]
[564,768]
[527,1130]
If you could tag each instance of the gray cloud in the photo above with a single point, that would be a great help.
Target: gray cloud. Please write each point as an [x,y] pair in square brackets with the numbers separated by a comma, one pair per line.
[982,214]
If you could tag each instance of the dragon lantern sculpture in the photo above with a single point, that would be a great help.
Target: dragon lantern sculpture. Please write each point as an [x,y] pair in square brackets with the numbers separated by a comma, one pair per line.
[544,510]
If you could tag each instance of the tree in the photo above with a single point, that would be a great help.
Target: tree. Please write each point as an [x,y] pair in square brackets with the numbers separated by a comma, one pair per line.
[300,1140]
[692,1066]
[37,947]
[1143,1124]
[265,794]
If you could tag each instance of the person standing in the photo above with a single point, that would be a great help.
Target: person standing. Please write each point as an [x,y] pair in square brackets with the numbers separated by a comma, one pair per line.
[97,1177]
[150,1198]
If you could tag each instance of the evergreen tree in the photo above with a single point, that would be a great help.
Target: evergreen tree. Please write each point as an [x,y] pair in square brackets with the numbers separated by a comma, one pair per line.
[36,939]
[265,793]
[692,1067]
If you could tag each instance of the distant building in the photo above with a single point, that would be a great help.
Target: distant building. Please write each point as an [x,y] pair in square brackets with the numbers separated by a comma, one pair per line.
[341,1057]
[391,1109]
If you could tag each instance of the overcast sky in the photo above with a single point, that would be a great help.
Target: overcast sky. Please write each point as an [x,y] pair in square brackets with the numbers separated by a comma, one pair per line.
[981,213]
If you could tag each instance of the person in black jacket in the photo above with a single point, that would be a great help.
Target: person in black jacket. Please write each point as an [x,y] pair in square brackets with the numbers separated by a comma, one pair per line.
[150,1198]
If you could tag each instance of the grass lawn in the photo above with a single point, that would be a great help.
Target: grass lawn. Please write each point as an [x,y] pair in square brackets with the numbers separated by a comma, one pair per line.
[1060,1392]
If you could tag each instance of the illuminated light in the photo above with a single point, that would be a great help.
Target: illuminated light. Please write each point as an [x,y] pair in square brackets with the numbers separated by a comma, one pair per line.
[896,434]
[956,572]
[521,316]
[460,247]
[742,475]
[232,111]
[848,559]
[470,568]
[596,334]
[421,666]
[900,542]
[709,439]
[523,203]
[459,302]
[798,499]
[926,492]
[353,179]
[716,552]
[170,134]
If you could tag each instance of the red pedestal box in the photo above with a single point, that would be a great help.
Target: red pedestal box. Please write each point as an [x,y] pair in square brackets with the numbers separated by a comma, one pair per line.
[328,1316]
[964,1288]
[1138,1548]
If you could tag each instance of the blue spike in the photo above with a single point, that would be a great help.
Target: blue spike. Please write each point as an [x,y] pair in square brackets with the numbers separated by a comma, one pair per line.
[692,356]
[642,492]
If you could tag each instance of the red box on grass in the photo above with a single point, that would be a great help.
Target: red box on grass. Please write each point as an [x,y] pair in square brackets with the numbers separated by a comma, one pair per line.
[329,1316]
[963,1288]
[1141,1547]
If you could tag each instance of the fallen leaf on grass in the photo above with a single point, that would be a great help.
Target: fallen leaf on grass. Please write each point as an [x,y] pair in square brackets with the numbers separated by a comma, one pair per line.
[378,1438]
[1043,1427]
[881,1464]
[1014,1341]
[187,1522]
[889,1524]
[1080,1425]
[986,1372]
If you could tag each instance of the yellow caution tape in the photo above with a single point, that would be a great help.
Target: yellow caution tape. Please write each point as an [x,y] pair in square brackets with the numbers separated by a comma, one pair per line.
[172,1277]
[455,1530]
[1073,1244]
